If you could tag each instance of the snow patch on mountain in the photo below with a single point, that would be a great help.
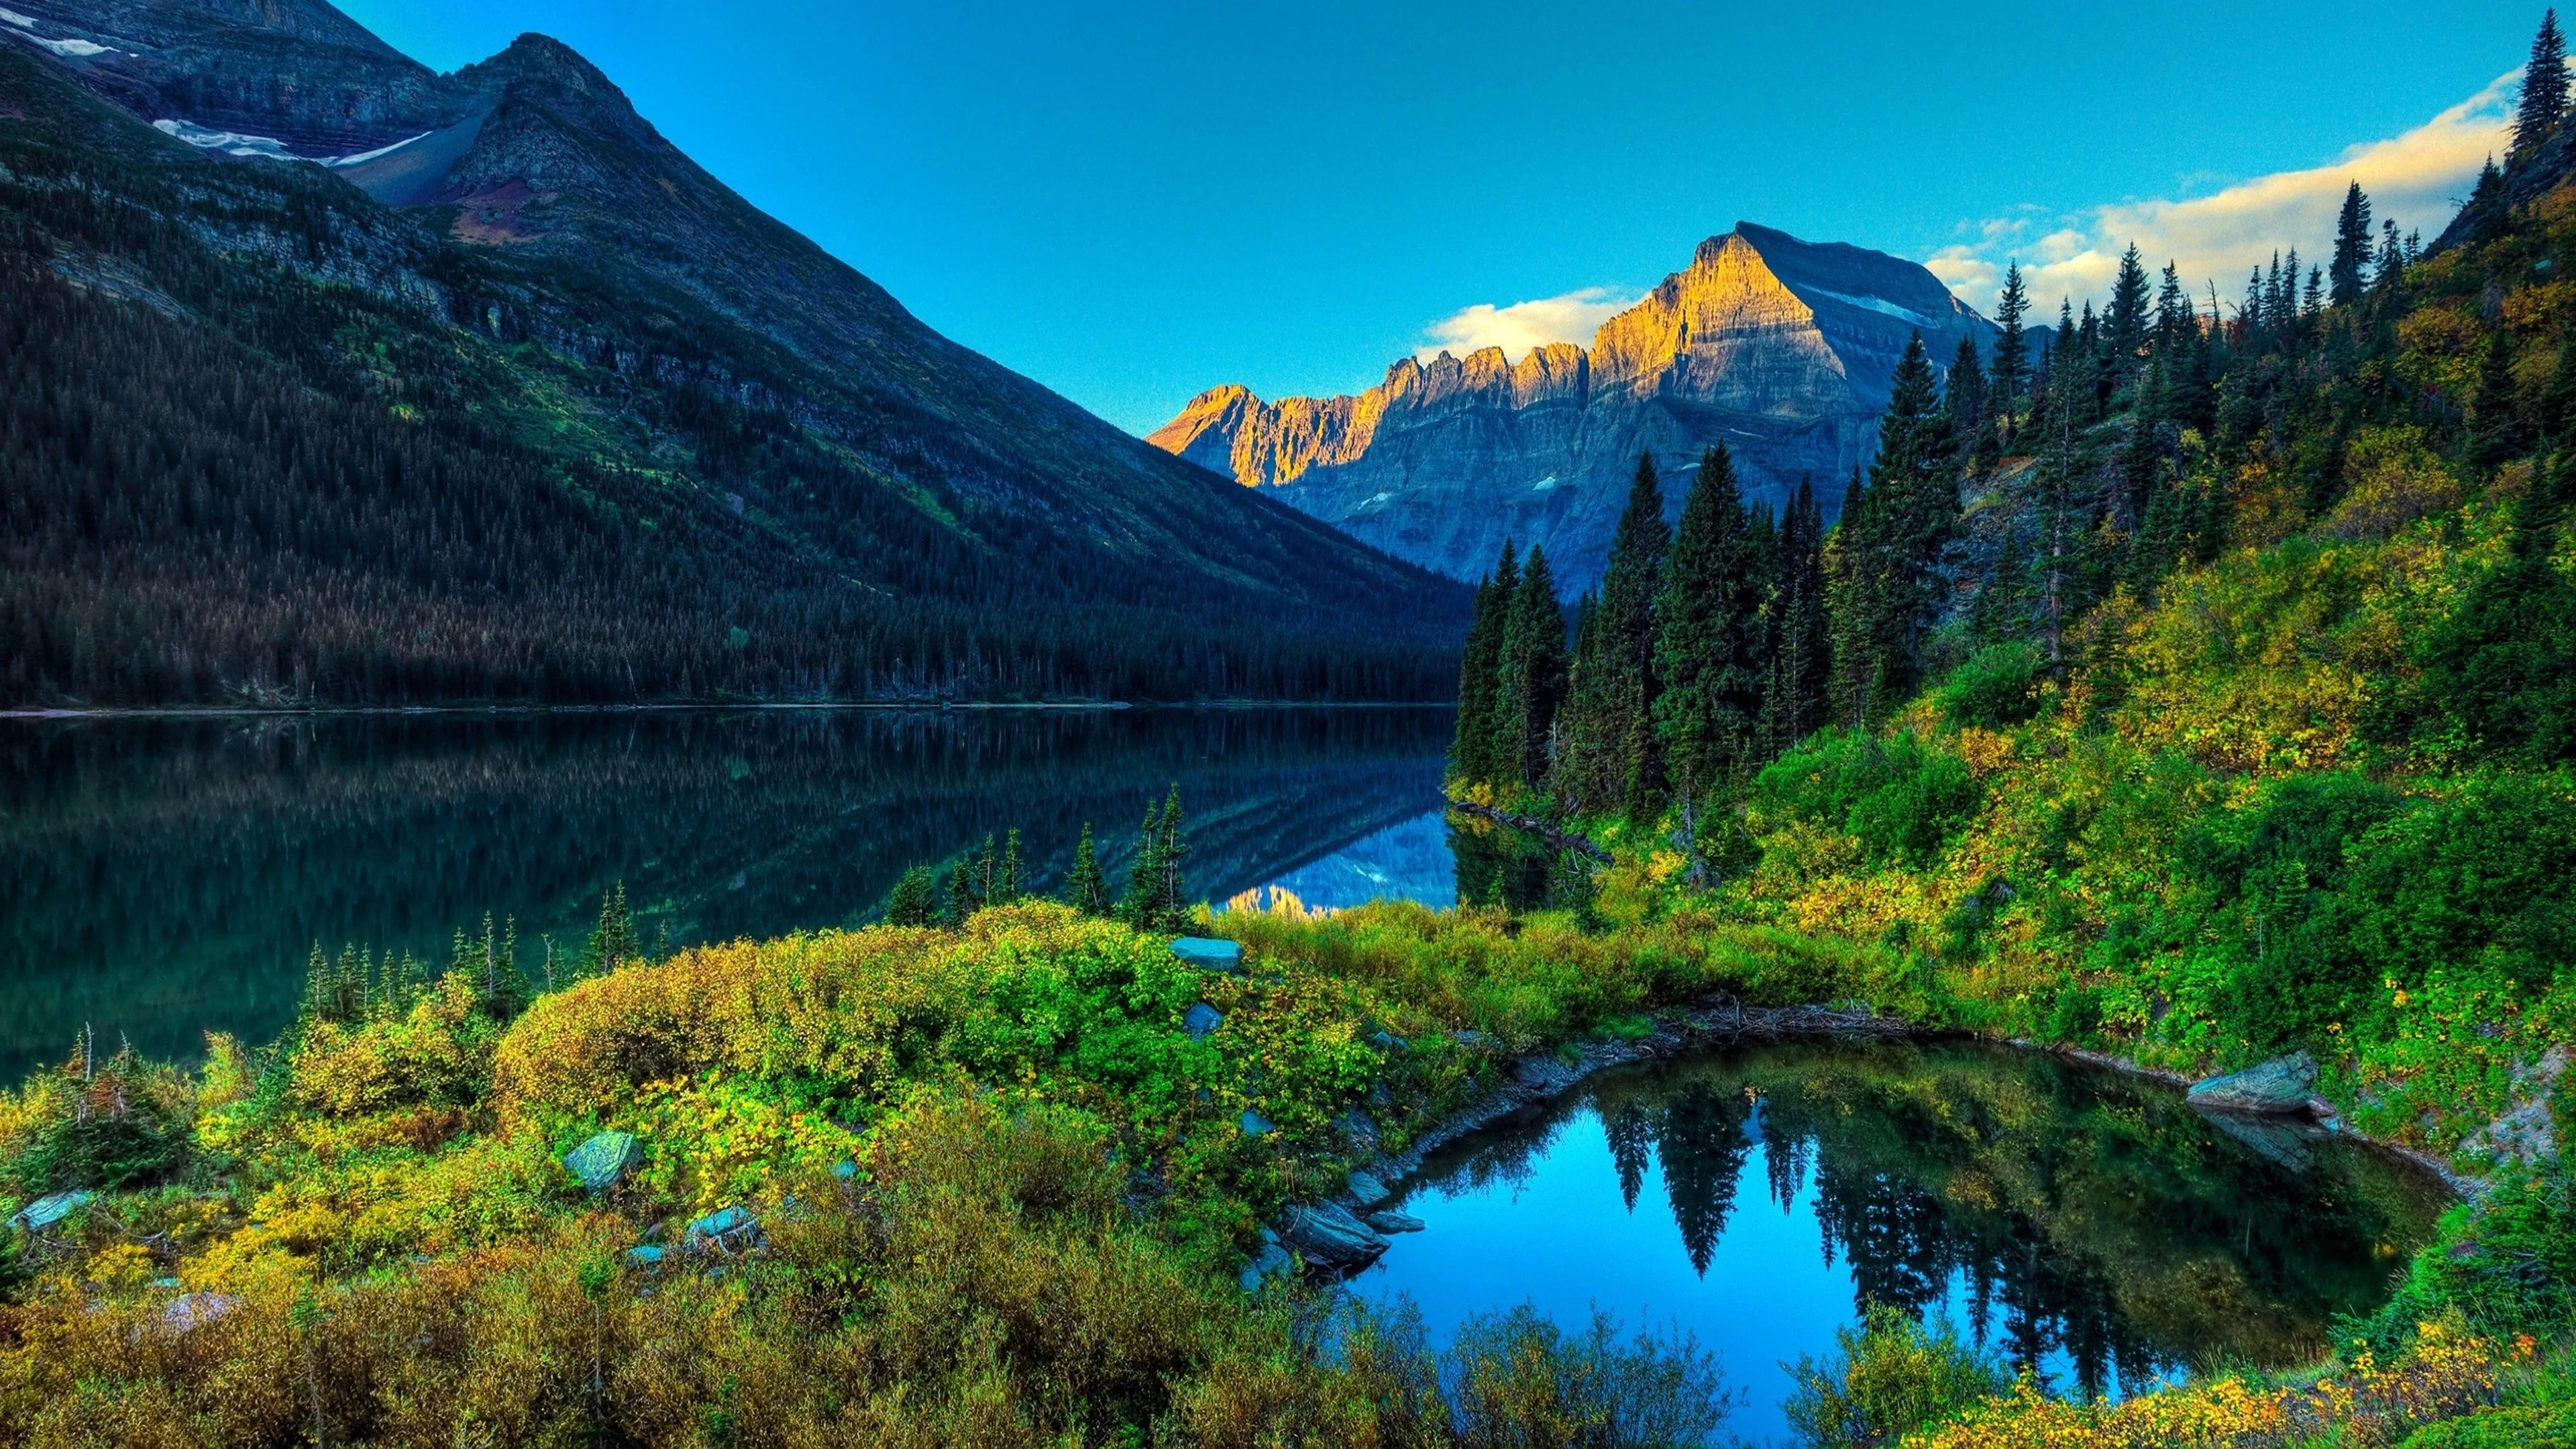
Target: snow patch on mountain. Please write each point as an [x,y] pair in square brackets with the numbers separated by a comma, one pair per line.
[269,148]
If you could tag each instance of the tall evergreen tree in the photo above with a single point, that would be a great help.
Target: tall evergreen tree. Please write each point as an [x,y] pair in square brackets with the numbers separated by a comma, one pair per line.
[1884,597]
[1531,683]
[1794,698]
[2544,88]
[963,902]
[914,900]
[1471,756]
[2496,431]
[1086,889]
[612,940]
[1964,400]
[2012,351]
[1708,636]
[2124,326]
[1141,906]
[1615,678]
[2352,248]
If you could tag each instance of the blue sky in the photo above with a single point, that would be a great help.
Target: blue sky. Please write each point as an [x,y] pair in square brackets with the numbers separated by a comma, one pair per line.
[1133,202]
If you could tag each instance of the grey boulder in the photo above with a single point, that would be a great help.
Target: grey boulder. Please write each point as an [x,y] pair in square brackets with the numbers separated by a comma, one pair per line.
[50,1209]
[1391,1221]
[2280,1087]
[1330,1235]
[1366,1190]
[1209,954]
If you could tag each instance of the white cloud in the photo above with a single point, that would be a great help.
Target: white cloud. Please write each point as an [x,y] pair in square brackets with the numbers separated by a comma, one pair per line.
[1516,329]
[2416,179]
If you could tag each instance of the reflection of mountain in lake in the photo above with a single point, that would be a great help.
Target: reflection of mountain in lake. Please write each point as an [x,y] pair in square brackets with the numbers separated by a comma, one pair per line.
[1409,862]
[159,877]
[2087,1226]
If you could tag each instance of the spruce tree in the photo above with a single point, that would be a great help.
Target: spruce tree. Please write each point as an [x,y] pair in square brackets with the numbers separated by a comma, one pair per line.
[1964,400]
[1883,594]
[1014,884]
[1532,680]
[2352,248]
[1605,766]
[2012,352]
[1794,703]
[988,873]
[1139,908]
[963,903]
[2544,88]
[612,940]
[1171,893]
[1707,649]
[1476,669]
[2496,432]
[1086,889]
[1473,758]
[2124,326]
[914,901]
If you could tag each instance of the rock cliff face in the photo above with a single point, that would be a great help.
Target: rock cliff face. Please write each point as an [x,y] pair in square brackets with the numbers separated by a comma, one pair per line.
[1781,349]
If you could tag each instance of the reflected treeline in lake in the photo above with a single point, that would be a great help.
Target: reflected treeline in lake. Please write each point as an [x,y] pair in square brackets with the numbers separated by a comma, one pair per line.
[2082,1224]
[162,877]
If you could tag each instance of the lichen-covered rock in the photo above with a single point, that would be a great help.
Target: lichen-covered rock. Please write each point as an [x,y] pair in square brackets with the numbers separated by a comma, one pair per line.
[1200,1020]
[2280,1087]
[732,1230]
[1271,1261]
[603,1162]
[1330,1235]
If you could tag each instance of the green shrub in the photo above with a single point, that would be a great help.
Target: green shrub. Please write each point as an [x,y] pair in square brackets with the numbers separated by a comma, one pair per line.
[1517,1379]
[1889,1377]
[1997,686]
[1903,799]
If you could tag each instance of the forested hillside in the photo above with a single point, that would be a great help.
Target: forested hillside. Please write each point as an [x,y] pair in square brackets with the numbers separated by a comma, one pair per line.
[2202,689]
[268,440]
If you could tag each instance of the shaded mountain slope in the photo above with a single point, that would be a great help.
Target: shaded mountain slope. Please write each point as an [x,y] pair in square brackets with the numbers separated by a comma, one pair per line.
[836,500]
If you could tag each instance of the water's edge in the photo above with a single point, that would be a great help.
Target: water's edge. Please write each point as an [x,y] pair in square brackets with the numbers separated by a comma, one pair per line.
[1716,1022]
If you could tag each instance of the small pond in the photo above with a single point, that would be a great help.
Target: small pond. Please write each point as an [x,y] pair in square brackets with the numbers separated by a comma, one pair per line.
[2084,1224]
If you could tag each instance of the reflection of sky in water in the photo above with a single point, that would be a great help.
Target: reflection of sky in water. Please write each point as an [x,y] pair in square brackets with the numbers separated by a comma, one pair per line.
[1562,1238]
[1410,862]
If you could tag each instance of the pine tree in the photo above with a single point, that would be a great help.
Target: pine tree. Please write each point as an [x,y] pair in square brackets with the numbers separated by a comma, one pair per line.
[1472,754]
[963,903]
[1616,677]
[2012,352]
[1140,906]
[612,941]
[2489,208]
[1086,889]
[2124,326]
[1531,683]
[1794,702]
[1171,894]
[1880,592]
[2352,247]
[2496,432]
[914,901]
[1965,398]
[2544,88]
[1707,648]
[1014,884]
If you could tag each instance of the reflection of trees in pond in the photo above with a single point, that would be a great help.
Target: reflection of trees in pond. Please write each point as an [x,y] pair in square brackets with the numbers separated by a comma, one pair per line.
[162,876]
[2085,1214]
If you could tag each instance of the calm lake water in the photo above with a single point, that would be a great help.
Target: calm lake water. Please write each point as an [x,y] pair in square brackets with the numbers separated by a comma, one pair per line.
[2084,1224]
[160,878]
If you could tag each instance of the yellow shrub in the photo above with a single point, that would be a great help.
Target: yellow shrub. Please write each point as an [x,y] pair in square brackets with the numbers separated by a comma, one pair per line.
[440,1051]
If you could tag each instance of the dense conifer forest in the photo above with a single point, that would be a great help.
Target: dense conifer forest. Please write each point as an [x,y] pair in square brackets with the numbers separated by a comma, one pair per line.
[265,441]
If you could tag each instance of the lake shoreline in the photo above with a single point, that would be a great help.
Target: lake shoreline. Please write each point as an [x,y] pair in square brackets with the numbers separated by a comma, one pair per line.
[401,711]
[1537,1079]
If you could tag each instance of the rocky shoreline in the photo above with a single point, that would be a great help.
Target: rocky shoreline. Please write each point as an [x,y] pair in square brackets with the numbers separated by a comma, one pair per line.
[1343,1234]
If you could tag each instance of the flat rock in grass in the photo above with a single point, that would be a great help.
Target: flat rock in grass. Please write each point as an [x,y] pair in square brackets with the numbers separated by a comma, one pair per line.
[603,1162]
[645,1255]
[197,1310]
[1330,1235]
[1254,1124]
[731,1229]
[2278,1088]
[1209,954]
[1391,1221]
[50,1209]
[1366,1190]
[1200,1020]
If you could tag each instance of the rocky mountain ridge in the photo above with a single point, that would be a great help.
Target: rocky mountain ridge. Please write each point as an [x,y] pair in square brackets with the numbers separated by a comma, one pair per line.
[1781,349]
